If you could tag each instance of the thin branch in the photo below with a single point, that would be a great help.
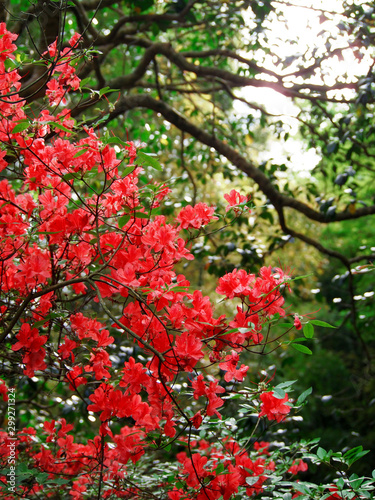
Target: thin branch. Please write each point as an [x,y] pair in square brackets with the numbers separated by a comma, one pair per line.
[184,167]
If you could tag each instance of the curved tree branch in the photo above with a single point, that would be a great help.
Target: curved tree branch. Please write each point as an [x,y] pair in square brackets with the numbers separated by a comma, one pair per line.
[127,103]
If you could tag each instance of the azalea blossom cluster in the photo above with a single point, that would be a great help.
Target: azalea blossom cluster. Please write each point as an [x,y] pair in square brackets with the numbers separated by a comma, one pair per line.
[238,468]
[81,230]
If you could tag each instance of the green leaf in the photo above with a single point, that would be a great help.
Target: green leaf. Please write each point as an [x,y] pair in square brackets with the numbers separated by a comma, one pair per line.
[233,396]
[83,82]
[68,177]
[355,454]
[21,126]
[301,348]
[155,29]
[267,216]
[251,480]
[102,120]
[49,232]
[116,140]
[321,453]
[58,480]
[107,90]
[60,127]
[241,329]
[22,467]
[156,211]
[279,393]
[80,153]
[232,330]
[332,147]
[140,215]
[308,331]
[178,289]
[303,488]
[127,171]
[355,481]
[340,483]
[149,161]
[280,389]
[219,468]
[317,322]
[42,477]
[301,277]
[366,494]
[123,220]
[303,396]
[285,385]
[37,324]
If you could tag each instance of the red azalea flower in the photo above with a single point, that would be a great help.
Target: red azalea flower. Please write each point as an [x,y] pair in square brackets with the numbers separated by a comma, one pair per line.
[234,198]
[274,408]
[230,366]
[301,466]
[297,322]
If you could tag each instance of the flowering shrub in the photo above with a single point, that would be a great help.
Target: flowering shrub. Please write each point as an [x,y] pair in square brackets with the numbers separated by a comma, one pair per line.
[95,316]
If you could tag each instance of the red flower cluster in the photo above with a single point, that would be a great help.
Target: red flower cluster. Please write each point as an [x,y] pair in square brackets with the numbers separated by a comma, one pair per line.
[64,242]
[230,366]
[237,469]
[31,343]
[197,216]
[301,466]
[272,407]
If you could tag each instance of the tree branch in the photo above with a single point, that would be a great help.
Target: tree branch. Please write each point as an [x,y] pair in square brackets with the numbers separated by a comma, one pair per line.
[265,184]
